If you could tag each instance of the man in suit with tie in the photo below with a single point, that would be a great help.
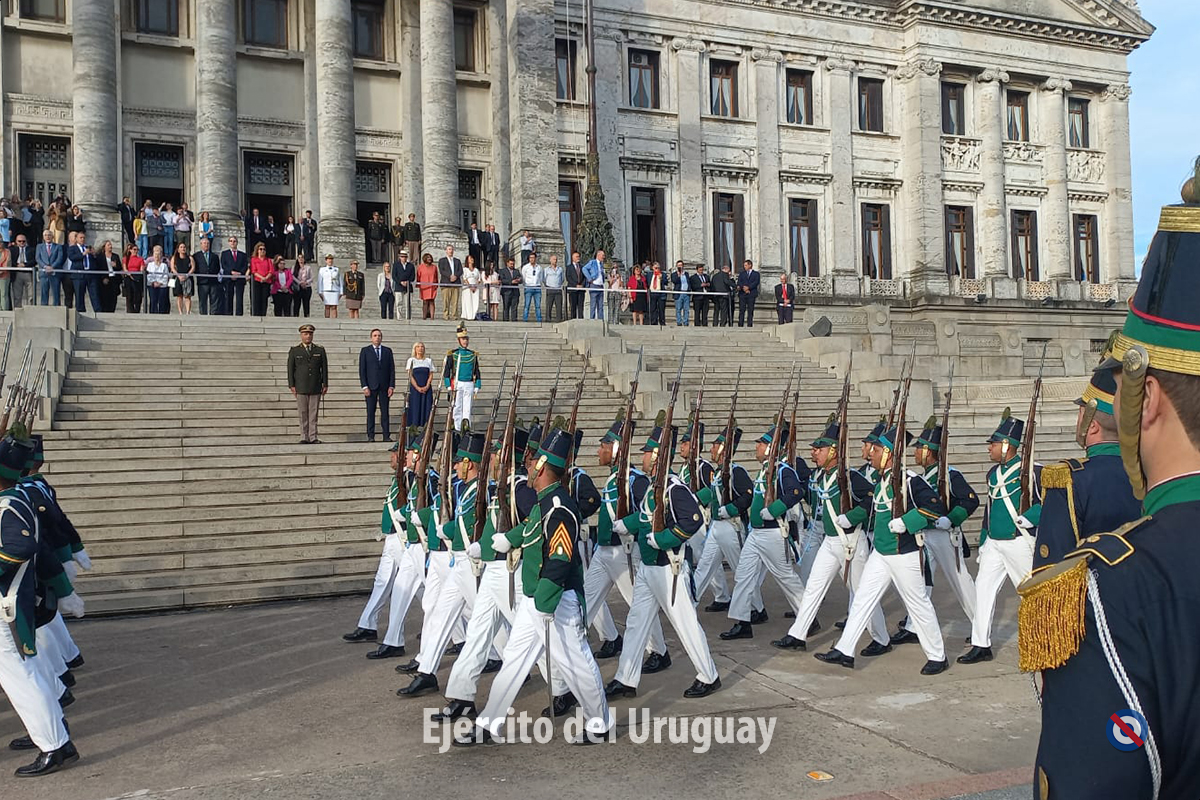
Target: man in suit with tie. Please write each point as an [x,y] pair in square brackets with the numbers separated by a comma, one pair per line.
[208,268]
[491,246]
[21,258]
[127,212]
[510,290]
[450,272]
[232,278]
[785,299]
[50,256]
[575,287]
[79,258]
[475,245]
[255,227]
[377,375]
[404,272]
[701,284]
[747,289]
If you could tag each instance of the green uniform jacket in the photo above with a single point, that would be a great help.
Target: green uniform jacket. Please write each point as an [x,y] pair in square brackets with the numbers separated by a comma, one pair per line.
[1004,497]
[550,560]
[922,508]
[307,369]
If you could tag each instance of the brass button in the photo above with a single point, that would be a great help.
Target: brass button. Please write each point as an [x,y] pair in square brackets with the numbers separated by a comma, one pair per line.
[1044,551]
[1093,539]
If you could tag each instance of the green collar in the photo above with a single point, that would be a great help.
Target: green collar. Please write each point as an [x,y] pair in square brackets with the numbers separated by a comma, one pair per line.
[1011,461]
[1184,489]
[1104,449]
[546,492]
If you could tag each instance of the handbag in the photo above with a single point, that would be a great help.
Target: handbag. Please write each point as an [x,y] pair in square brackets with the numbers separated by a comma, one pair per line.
[171,283]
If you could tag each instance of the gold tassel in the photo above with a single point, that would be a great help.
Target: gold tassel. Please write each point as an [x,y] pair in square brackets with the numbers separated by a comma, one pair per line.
[1051,618]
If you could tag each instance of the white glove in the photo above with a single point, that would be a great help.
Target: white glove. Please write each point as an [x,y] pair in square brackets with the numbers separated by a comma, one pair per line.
[1023,523]
[722,513]
[71,605]
[619,528]
[540,618]
[653,542]
[82,559]
[500,543]
[474,550]
[942,524]
[843,522]
[445,537]
[766,515]
[897,526]
[72,569]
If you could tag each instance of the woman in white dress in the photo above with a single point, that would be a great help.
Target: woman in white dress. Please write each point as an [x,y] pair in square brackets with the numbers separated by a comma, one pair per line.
[491,279]
[472,283]
[329,286]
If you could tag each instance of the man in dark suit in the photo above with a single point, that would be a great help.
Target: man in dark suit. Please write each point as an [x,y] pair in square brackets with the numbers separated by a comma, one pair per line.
[747,291]
[208,267]
[701,284]
[723,287]
[491,246]
[255,230]
[404,273]
[21,258]
[510,290]
[450,273]
[83,263]
[50,256]
[573,277]
[307,235]
[785,299]
[234,266]
[475,245]
[127,213]
[377,375]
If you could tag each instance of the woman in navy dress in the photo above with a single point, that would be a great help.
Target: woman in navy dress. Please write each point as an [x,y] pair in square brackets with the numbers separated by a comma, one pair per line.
[420,393]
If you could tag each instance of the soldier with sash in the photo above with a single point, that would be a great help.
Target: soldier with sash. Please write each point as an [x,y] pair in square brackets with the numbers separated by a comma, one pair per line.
[460,374]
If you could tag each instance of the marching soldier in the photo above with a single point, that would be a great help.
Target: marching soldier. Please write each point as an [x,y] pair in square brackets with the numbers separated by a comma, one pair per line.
[844,547]
[895,559]
[460,374]
[868,444]
[766,549]
[1112,625]
[1006,543]
[663,579]
[704,482]
[549,618]
[308,378]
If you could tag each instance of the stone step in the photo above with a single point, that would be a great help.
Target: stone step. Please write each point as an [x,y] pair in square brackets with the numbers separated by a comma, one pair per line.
[219,577]
[140,600]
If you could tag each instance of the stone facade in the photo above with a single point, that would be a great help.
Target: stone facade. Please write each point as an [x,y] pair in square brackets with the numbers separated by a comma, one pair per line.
[844,131]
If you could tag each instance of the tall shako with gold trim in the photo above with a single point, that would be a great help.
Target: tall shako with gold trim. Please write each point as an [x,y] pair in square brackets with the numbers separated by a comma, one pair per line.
[461,376]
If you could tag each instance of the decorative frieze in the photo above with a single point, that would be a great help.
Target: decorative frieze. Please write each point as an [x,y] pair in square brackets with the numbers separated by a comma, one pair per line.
[923,66]
[877,184]
[36,107]
[960,154]
[1024,190]
[1024,153]
[1039,290]
[158,119]
[921,331]
[378,139]
[1085,166]
[805,177]
[649,162]
[972,287]
[271,130]
[1101,292]
[979,344]
[730,172]
[886,288]
[819,286]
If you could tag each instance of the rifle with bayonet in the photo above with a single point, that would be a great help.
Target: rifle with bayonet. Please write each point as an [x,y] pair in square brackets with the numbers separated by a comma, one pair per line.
[899,476]
[772,468]
[15,389]
[662,469]
[905,369]
[726,495]
[1027,439]
[693,463]
[550,404]
[4,360]
[506,503]
[845,498]
[943,467]
[485,463]
[33,393]
[445,488]
[424,456]
[566,481]
[622,458]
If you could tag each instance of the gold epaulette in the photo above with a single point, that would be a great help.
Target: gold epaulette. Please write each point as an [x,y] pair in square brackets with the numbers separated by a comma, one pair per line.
[1057,476]
[1053,607]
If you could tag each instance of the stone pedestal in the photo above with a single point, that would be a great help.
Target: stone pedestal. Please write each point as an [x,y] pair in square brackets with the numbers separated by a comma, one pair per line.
[993,204]
[95,109]
[1054,223]
[844,238]
[439,131]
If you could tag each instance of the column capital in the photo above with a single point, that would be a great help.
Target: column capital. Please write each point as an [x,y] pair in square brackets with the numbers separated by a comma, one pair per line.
[770,56]
[992,75]
[687,44]
[1057,85]
[923,66]
[836,64]
[1117,91]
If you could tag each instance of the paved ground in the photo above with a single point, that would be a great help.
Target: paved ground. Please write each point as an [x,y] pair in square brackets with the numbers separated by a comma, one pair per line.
[267,701]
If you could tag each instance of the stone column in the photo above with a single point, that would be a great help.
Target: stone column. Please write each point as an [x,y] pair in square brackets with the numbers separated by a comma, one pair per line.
[533,120]
[1116,255]
[497,28]
[1054,224]
[993,205]
[694,233]
[844,227]
[921,171]
[338,232]
[95,107]
[439,129]
[312,144]
[771,255]
[412,161]
[217,155]
[610,88]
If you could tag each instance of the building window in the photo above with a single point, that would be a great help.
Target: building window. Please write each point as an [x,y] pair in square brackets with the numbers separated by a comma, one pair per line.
[565,52]
[1087,257]
[568,213]
[1024,245]
[158,17]
[469,183]
[954,109]
[464,39]
[643,79]
[1018,116]
[46,10]
[799,97]
[367,19]
[870,105]
[960,241]
[722,77]
[802,229]
[729,230]
[265,22]
[1077,116]
[649,225]
[877,241]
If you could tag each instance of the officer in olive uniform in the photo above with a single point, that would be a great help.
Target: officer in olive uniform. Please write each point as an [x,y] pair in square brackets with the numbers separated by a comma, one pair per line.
[460,374]
[1112,626]
[308,378]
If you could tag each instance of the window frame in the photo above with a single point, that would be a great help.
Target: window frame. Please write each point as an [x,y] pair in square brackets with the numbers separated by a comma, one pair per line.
[378,9]
[1079,107]
[870,105]
[26,10]
[1018,99]
[960,261]
[805,84]
[803,216]
[1031,270]
[736,217]
[568,49]
[282,29]
[958,106]
[653,65]
[884,229]
[1087,265]
[472,63]
[714,66]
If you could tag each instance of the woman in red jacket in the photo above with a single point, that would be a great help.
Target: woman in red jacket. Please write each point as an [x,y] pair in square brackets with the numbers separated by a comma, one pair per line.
[637,295]
[283,285]
[261,275]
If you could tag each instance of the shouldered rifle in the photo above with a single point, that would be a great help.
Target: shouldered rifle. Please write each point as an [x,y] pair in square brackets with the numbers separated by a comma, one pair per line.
[662,470]
[485,463]
[622,459]
[845,500]
[506,504]
[32,393]
[445,489]
[1027,440]
[566,481]
[899,476]
[15,392]
[726,495]
[550,404]
[424,456]
[943,466]
[773,448]
[791,448]
[4,360]
[693,463]
[402,457]
[905,368]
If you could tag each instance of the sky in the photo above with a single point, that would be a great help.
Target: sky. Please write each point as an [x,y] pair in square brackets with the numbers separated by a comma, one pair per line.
[1164,112]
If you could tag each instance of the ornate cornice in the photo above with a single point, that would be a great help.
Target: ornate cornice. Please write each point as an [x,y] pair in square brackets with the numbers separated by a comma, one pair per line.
[923,66]
[688,44]
[730,171]
[803,178]
[878,184]
[39,107]
[645,164]
[1025,191]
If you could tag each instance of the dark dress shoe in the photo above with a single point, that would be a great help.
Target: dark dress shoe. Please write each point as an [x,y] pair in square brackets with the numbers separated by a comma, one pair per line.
[314,441]
[716,606]
[616,689]
[815,628]
[841,626]
[370,440]
[789,642]
[359,635]
[656,663]
[305,441]
[836,657]
[563,704]
[611,648]
[875,649]
[789,615]
[935,667]
[422,683]
[975,655]
[386,651]
[758,617]
[76,662]
[701,689]
[67,678]
[408,668]
[24,743]
[455,709]
[388,439]
[455,649]
[903,636]
[474,737]
[50,762]
[740,630]
[66,699]
[492,665]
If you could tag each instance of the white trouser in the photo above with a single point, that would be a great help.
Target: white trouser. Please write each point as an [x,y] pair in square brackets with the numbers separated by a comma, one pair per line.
[651,592]
[997,558]
[455,598]
[811,539]
[57,628]
[464,398]
[698,544]
[721,546]
[609,566]
[829,563]
[940,547]
[34,701]
[48,664]
[410,574]
[385,573]
[570,658]
[905,572]
[764,549]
